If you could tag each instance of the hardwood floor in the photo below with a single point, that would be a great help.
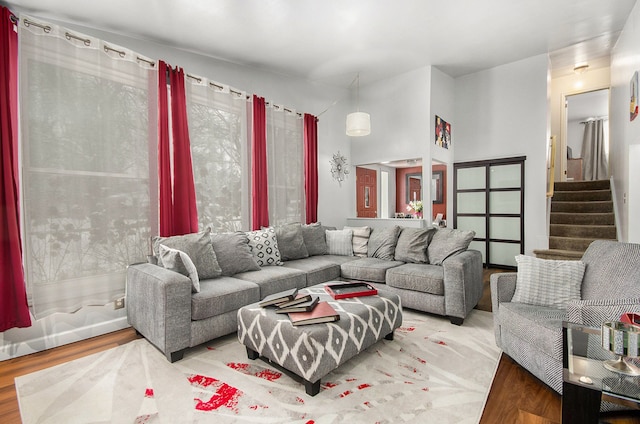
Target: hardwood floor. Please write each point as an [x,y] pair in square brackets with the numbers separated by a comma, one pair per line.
[516,396]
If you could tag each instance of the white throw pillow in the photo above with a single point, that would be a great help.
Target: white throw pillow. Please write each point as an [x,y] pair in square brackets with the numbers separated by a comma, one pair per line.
[264,246]
[339,242]
[178,261]
[547,282]
[360,240]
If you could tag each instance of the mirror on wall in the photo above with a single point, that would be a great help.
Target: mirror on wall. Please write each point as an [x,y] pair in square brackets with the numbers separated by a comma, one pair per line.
[396,184]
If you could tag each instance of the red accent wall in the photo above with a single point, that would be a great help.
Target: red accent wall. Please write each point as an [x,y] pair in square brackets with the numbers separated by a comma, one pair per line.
[401,187]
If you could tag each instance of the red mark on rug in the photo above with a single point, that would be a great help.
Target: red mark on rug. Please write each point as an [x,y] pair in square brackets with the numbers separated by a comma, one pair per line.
[144,419]
[201,380]
[345,394]
[367,404]
[422,361]
[148,393]
[226,396]
[406,329]
[364,386]
[441,343]
[310,422]
[265,374]
[408,382]
[349,380]
[329,385]
[211,348]
[299,400]
[425,389]
[256,407]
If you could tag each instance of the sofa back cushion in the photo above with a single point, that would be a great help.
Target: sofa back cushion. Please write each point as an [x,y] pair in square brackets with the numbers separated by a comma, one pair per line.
[315,239]
[198,247]
[613,270]
[339,242]
[448,242]
[291,242]
[233,253]
[178,261]
[382,243]
[412,245]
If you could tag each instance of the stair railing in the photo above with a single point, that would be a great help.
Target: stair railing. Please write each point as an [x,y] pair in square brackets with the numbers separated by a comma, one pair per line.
[615,208]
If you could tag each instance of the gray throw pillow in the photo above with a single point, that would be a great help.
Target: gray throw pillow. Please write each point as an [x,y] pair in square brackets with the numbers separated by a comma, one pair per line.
[547,282]
[339,242]
[180,262]
[412,245]
[291,242]
[382,242]
[315,239]
[447,242]
[198,247]
[234,254]
[264,246]
[360,240]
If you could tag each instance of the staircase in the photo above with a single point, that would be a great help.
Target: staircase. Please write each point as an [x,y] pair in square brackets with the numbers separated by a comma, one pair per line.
[581,211]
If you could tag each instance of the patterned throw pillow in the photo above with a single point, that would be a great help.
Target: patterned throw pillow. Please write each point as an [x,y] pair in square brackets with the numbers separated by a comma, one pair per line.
[199,249]
[547,282]
[339,242]
[447,242]
[180,262]
[264,246]
[360,240]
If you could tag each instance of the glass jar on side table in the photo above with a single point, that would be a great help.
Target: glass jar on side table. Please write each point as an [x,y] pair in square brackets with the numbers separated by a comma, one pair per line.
[585,379]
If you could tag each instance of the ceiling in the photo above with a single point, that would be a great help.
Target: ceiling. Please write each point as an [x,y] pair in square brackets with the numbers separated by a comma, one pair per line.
[329,41]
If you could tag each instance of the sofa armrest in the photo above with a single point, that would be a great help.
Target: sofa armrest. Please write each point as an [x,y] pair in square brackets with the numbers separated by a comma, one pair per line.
[593,313]
[159,307]
[462,283]
[503,287]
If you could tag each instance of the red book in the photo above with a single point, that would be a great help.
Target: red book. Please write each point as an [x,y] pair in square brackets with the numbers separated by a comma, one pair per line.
[323,312]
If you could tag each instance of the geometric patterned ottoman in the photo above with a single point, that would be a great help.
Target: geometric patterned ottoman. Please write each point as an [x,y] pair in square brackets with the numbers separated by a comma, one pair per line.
[313,351]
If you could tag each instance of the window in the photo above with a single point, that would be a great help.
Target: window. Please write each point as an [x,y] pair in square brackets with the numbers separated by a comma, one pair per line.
[220,155]
[88,126]
[285,166]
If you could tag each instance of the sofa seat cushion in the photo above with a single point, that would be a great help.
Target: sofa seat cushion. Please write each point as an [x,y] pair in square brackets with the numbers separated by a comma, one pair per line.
[368,269]
[274,279]
[222,295]
[539,326]
[339,260]
[417,277]
[317,269]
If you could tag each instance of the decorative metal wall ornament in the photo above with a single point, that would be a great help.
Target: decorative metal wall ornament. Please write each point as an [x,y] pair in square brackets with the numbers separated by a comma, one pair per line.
[339,168]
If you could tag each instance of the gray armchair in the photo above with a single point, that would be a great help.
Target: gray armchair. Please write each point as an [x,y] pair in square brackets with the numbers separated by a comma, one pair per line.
[532,335]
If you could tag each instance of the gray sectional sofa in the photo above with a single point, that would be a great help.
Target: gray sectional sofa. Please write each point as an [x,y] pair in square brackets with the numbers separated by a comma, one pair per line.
[182,297]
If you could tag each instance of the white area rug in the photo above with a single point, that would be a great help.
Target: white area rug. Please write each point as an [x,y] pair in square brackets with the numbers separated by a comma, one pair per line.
[433,372]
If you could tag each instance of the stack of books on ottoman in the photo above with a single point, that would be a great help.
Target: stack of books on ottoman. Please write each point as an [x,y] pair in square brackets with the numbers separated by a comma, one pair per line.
[303,309]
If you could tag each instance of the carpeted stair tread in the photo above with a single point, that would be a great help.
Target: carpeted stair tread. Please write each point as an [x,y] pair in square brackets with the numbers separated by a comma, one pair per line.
[583,218]
[569,243]
[583,231]
[582,207]
[558,254]
[581,195]
[581,185]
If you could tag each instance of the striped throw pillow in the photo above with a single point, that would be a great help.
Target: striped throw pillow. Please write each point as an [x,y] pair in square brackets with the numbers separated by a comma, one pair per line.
[360,240]
[339,242]
[547,282]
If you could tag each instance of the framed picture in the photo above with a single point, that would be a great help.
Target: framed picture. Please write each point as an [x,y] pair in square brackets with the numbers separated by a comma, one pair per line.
[437,186]
[633,103]
[443,132]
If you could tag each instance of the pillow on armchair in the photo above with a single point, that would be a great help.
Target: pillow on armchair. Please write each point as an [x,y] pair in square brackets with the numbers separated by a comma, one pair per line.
[547,282]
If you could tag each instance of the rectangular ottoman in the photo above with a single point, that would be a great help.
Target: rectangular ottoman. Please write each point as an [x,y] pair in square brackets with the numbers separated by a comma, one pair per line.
[313,351]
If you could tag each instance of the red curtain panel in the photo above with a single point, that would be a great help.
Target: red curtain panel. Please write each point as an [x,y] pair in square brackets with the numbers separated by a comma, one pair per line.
[260,192]
[311,167]
[14,311]
[164,155]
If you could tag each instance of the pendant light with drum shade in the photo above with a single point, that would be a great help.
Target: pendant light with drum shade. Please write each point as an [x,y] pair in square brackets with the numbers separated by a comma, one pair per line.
[358,123]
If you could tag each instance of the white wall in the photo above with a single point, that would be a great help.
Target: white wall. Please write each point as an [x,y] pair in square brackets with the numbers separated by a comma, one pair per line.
[398,107]
[502,112]
[304,96]
[625,134]
[443,91]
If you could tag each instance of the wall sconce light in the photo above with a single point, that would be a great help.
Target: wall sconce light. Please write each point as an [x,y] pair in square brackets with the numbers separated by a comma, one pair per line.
[581,68]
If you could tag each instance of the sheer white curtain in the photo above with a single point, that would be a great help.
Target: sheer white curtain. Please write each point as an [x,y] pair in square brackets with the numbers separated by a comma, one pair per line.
[285,165]
[89,135]
[595,150]
[220,154]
